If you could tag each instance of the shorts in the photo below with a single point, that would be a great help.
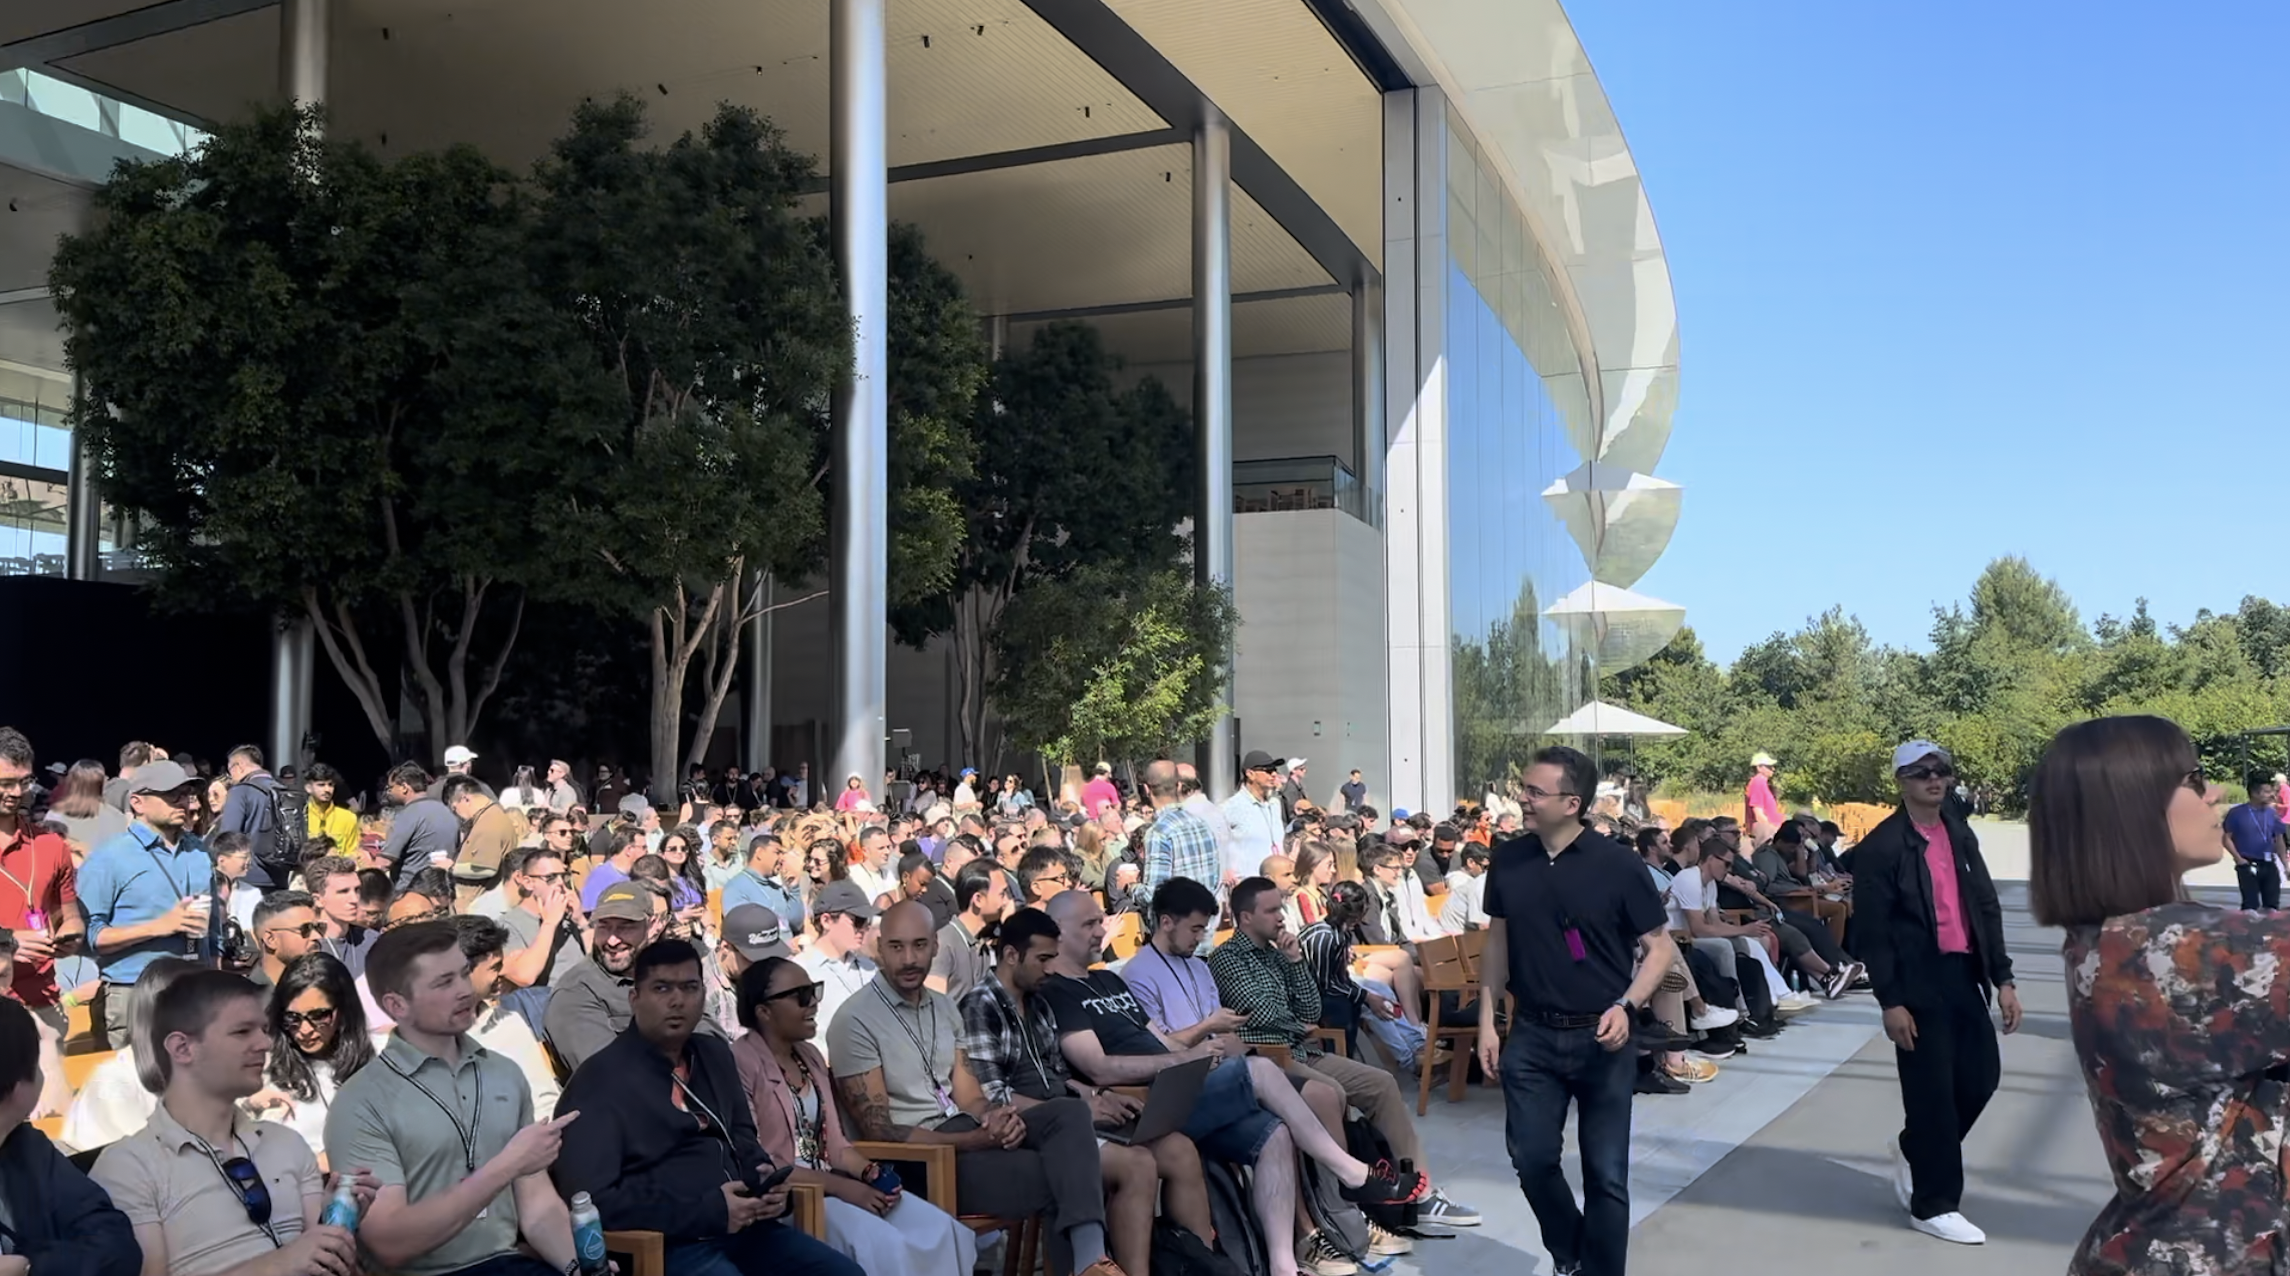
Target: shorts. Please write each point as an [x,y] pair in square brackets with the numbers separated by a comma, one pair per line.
[1228,1123]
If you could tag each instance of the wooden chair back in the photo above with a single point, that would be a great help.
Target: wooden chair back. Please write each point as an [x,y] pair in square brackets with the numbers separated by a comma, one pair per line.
[1444,966]
[1126,934]
[79,1067]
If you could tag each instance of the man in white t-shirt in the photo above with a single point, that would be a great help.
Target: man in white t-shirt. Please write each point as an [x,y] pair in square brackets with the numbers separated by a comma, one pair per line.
[1692,904]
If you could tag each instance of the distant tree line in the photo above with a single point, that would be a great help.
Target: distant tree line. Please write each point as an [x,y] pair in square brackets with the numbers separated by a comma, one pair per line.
[2004,673]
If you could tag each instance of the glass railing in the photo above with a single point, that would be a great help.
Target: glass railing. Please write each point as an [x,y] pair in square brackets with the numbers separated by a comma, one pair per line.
[1297,483]
[49,96]
[35,434]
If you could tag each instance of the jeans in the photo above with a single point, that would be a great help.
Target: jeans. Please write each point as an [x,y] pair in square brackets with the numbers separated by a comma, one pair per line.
[774,1247]
[1055,1171]
[1817,936]
[2261,883]
[1945,1083]
[1544,1069]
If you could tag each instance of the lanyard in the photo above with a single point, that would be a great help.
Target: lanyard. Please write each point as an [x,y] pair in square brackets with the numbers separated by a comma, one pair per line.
[214,1158]
[467,1133]
[1025,1030]
[929,1062]
[164,875]
[1185,984]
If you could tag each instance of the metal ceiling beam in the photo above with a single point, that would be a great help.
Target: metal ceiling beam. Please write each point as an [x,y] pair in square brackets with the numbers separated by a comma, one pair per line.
[1114,145]
[124,28]
[1093,28]
[1172,303]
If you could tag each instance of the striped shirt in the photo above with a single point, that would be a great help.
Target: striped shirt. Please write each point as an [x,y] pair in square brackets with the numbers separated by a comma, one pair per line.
[1181,844]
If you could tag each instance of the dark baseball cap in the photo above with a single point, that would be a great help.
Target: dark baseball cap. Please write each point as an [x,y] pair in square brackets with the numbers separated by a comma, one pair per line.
[1259,760]
[845,897]
[756,932]
[624,900]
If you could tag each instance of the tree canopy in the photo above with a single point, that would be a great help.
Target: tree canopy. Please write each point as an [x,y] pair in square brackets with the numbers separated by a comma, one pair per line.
[2001,678]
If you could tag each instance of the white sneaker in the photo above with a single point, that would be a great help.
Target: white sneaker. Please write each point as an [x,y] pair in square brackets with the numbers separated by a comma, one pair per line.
[1713,1017]
[1950,1227]
[1795,1003]
[1903,1180]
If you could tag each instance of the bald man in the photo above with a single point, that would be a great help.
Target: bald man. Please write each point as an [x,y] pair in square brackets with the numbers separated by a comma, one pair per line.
[901,1077]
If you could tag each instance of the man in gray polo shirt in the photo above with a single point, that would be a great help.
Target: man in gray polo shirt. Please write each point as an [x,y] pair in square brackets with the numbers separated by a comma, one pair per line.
[447,1127]
[588,1005]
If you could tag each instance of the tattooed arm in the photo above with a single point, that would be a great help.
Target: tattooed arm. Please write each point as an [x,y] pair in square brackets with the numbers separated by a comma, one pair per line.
[868,1105]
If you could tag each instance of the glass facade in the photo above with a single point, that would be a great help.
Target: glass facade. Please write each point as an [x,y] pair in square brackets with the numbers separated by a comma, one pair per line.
[1517,420]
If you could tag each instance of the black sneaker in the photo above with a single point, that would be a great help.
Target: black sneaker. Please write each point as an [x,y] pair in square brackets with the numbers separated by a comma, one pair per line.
[1720,1044]
[1760,1029]
[1655,1082]
[1386,1186]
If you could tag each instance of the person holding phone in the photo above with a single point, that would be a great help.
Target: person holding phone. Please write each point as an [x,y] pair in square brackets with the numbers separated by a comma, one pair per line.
[870,1215]
[667,1141]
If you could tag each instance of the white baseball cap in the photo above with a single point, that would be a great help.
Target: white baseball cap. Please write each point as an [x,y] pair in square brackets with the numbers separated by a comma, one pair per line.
[1762,759]
[458,754]
[1916,751]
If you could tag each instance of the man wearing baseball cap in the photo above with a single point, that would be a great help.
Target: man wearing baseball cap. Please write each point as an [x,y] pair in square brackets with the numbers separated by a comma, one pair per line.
[1254,812]
[589,1006]
[1760,809]
[149,892]
[1927,924]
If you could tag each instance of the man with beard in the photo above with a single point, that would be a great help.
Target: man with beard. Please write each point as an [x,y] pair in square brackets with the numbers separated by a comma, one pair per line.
[446,1127]
[589,1004]
[901,1076]
[669,1143]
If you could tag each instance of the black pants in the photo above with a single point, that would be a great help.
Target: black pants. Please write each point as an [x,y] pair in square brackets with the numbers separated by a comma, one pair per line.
[1945,1083]
[1816,933]
[1056,1170]
[1544,1069]
[2261,883]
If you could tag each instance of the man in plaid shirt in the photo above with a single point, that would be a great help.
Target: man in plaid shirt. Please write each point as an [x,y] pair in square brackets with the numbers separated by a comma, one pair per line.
[1179,843]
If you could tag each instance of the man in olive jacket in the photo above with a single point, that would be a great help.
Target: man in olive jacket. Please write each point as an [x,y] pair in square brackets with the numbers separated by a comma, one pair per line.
[1927,924]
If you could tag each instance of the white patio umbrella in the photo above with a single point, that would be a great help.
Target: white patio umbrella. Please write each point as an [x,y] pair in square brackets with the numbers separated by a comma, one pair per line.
[1601,718]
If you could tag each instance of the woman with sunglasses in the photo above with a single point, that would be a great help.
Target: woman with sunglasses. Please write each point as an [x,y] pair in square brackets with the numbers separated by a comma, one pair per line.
[687,886]
[318,1040]
[2176,1007]
[893,1233]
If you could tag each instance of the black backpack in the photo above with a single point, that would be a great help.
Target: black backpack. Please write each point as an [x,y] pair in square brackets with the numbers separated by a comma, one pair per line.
[279,848]
[1363,1140]
[1239,1238]
[1177,1252]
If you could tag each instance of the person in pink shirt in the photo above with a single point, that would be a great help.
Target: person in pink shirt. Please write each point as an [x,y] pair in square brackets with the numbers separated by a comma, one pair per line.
[1761,811]
[1927,923]
[1099,793]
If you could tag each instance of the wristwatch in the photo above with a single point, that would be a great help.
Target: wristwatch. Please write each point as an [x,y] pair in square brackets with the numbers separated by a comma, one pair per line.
[1627,1004]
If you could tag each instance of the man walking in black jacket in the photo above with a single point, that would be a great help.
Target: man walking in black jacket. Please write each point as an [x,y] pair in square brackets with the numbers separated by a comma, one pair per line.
[1927,924]
[666,1141]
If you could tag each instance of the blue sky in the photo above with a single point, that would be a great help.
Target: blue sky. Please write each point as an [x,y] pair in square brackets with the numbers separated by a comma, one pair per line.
[1965,279]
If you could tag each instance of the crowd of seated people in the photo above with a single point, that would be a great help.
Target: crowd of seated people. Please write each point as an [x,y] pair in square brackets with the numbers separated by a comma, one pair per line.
[663,1013]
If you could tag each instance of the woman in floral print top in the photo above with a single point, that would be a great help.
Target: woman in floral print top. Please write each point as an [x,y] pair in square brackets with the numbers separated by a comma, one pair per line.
[2181,1011]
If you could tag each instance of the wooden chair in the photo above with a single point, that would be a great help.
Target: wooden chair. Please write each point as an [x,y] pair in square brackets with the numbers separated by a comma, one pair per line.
[79,1031]
[1221,937]
[1126,935]
[647,1252]
[1444,970]
[79,1067]
[1022,1244]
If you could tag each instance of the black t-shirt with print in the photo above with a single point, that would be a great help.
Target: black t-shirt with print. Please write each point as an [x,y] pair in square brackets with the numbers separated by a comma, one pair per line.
[1104,1005]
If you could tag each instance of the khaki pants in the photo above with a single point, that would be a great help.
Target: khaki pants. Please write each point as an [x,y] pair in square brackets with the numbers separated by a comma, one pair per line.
[1376,1095]
[112,1021]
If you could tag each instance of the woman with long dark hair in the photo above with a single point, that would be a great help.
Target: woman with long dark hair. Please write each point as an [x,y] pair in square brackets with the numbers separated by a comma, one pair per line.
[318,1040]
[88,821]
[687,886]
[2177,1008]
[788,1084]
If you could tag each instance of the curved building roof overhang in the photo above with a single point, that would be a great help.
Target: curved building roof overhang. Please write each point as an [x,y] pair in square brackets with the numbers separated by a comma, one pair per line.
[1516,73]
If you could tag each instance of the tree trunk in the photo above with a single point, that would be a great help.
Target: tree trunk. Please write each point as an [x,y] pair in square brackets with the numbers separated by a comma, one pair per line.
[346,651]
[676,638]
[723,648]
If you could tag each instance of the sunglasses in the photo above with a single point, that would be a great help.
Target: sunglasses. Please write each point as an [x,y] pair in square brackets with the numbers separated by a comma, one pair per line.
[1941,772]
[308,930]
[254,1194]
[318,1018]
[545,879]
[805,995]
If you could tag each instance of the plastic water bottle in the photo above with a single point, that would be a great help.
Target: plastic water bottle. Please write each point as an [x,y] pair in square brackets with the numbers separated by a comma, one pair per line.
[588,1235]
[342,1210]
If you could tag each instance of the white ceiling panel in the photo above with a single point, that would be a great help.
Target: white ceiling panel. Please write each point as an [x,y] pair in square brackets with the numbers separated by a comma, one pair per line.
[1272,67]
[23,19]
[1295,325]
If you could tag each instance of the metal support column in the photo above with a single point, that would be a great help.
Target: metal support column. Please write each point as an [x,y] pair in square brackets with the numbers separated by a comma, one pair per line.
[759,666]
[83,509]
[1368,397]
[304,39]
[859,204]
[1212,403]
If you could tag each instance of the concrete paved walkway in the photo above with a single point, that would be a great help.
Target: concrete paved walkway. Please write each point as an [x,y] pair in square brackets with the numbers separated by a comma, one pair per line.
[1779,1166]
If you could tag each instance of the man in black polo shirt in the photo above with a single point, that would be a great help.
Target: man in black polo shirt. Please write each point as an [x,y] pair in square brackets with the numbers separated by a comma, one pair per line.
[1566,911]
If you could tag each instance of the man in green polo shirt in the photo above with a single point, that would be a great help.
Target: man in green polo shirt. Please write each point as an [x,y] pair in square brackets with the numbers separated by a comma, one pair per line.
[447,1127]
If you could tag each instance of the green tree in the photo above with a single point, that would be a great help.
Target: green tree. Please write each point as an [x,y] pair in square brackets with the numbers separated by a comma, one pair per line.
[313,374]
[1098,666]
[1070,472]
[711,308]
